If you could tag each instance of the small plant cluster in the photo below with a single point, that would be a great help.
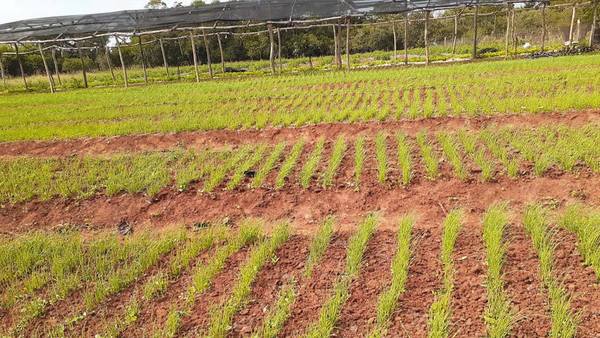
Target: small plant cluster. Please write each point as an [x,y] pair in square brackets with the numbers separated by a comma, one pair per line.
[585,223]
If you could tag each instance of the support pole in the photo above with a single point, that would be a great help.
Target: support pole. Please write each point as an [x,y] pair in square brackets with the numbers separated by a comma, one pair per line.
[195,56]
[406,39]
[514,31]
[208,60]
[125,77]
[143,58]
[543,46]
[426,37]
[593,30]
[48,74]
[272,49]
[279,51]
[572,27]
[221,52]
[109,63]
[21,66]
[338,51]
[2,71]
[164,56]
[335,44]
[348,67]
[395,41]
[475,17]
[56,71]
[83,70]
[508,15]
[455,34]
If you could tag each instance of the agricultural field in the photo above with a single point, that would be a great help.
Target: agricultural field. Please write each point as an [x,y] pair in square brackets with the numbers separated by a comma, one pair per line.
[457,200]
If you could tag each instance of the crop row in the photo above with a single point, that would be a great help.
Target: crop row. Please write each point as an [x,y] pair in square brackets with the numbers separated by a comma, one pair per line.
[482,89]
[395,159]
[102,267]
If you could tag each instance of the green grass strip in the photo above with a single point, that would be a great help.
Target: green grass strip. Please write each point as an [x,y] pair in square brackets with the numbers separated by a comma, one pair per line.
[404,158]
[585,223]
[359,159]
[388,299]
[563,319]
[381,156]
[240,172]
[289,164]
[499,315]
[269,164]
[429,157]
[222,316]
[332,308]
[311,164]
[440,311]
[339,150]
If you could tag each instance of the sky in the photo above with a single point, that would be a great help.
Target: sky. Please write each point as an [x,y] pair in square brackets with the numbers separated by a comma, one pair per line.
[13,10]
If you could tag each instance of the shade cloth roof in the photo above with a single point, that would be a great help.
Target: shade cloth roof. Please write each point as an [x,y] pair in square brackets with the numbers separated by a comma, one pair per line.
[285,11]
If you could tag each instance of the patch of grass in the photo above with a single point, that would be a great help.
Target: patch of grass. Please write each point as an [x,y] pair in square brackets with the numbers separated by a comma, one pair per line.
[319,245]
[289,164]
[269,164]
[388,299]
[452,152]
[332,308]
[429,157]
[440,311]
[359,159]
[339,150]
[404,158]
[218,172]
[381,156]
[311,163]
[221,316]
[499,315]
[585,223]
[563,319]
[241,170]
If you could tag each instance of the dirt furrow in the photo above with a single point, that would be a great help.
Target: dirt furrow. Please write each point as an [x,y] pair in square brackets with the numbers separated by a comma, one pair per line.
[289,262]
[313,292]
[218,138]
[359,312]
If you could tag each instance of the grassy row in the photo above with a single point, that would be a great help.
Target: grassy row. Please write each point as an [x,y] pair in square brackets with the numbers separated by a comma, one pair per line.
[499,315]
[506,87]
[585,223]
[440,311]
[332,307]
[563,319]
[495,151]
[388,299]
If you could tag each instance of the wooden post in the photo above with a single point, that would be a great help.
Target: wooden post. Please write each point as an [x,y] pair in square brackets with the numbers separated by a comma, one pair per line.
[395,41]
[2,71]
[335,44]
[348,66]
[164,56]
[56,71]
[279,51]
[221,52]
[593,30]
[406,39]
[83,70]
[543,46]
[514,31]
[21,66]
[572,27]
[195,56]
[125,77]
[109,63]
[508,15]
[272,49]
[426,37]
[338,51]
[208,60]
[143,59]
[455,34]
[48,74]
[474,56]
